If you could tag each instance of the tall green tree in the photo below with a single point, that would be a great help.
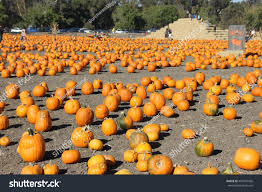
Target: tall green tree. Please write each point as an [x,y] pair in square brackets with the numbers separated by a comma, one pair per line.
[127,17]
[159,16]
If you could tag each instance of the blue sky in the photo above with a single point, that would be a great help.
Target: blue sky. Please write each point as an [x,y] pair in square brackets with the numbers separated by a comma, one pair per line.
[236,0]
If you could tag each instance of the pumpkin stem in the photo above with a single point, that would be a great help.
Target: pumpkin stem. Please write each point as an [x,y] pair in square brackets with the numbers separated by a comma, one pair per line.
[31,132]
[205,140]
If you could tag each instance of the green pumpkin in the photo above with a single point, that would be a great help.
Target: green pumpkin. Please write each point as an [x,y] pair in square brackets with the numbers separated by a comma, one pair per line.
[257,126]
[204,148]
[229,170]
[136,138]
[124,122]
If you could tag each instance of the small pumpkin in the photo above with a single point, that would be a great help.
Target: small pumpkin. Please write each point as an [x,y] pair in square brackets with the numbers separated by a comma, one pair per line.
[204,147]
[188,134]
[51,169]
[4,141]
[111,102]
[84,116]
[136,114]
[96,159]
[257,126]
[109,127]
[71,156]
[31,146]
[72,106]
[39,91]
[81,136]
[52,103]
[31,113]
[248,132]
[87,88]
[180,170]
[101,111]
[110,160]
[21,110]
[136,138]
[210,108]
[130,156]
[230,113]
[247,158]
[4,122]
[160,165]
[124,122]
[210,170]
[150,109]
[32,170]
[43,121]
[229,170]
[96,144]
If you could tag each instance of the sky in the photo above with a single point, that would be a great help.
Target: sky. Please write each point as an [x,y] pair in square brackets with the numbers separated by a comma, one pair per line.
[236,0]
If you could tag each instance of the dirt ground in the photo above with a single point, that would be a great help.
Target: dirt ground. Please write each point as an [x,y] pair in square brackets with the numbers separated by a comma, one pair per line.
[225,134]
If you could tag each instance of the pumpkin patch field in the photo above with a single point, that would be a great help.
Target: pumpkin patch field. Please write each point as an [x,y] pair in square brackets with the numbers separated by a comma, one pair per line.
[82,105]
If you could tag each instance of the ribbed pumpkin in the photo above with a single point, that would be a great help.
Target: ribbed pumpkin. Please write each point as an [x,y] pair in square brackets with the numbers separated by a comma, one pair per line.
[111,102]
[71,106]
[81,136]
[43,121]
[84,116]
[101,111]
[4,122]
[31,146]
[159,165]
[31,113]
[204,148]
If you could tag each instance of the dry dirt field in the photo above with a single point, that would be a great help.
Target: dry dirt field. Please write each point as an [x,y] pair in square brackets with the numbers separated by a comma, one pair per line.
[226,135]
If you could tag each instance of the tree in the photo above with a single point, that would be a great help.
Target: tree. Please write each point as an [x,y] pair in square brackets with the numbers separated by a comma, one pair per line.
[233,15]
[159,16]
[127,17]
[3,15]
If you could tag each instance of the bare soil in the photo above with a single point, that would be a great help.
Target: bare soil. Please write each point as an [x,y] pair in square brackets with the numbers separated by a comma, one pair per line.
[225,134]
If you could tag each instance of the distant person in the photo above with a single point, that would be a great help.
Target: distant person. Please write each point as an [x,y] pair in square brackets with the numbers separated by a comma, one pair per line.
[1,33]
[187,14]
[215,28]
[253,34]
[113,30]
[166,33]
[23,36]
[198,17]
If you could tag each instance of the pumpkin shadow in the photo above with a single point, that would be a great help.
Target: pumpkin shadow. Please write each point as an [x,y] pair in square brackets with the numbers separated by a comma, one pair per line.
[51,155]
[145,119]
[113,116]
[195,95]
[41,105]
[10,109]
[62,171]
[55,119]
[192,109]
[12,117]
[98,122]
[193,102]
[120,132]
[85,159]
[155,145]
[106,148]
[238,117]
[156,153]
[137,126]
[13,143]
[221,106]
[96,92]
[16,125]
[104,141]
[163,135]
[77,94]
[216,152]
[122,108]
[57,127]
[48,140]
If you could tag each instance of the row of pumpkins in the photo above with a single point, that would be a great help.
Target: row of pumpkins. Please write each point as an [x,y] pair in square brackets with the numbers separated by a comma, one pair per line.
[31,146]
[150,54]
